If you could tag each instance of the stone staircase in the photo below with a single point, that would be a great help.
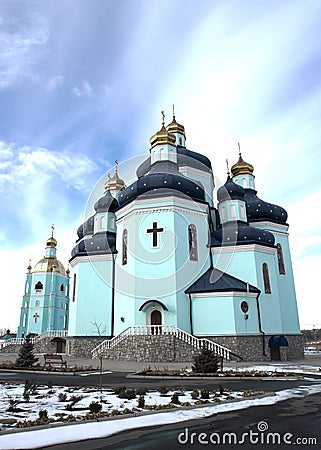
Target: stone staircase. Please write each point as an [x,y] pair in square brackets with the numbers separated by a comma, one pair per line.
[156,343]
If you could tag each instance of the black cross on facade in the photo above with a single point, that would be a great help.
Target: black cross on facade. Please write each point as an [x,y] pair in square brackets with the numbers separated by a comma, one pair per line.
[36,316]
[155,230]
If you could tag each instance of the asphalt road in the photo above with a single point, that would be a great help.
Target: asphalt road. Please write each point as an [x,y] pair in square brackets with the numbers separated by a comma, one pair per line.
[119,379]
[291,422]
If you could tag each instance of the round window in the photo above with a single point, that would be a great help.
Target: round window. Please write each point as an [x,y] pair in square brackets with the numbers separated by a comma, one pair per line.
[244,307]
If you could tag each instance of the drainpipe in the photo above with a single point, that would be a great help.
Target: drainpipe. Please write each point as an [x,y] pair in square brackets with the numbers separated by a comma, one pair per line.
[113,297]
[190,312]
[260,327]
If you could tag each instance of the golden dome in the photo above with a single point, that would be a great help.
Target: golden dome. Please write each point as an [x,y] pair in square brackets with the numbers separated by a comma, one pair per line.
[163,136]
[241,167]
[47,264]
[115,183]
[175,127]
[51,242]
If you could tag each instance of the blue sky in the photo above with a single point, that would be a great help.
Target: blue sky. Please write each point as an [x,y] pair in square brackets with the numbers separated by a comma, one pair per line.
[83,83]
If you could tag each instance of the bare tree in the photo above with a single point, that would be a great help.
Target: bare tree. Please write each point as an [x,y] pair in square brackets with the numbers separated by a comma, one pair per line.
[100,331]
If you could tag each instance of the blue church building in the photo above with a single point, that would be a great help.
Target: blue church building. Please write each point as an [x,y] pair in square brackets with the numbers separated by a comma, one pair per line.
[45,303]
[161,268]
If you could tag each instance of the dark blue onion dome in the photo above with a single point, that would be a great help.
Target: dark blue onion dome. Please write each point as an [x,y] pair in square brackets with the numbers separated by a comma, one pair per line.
[183,151]
[155,181]
[106,203]
[259,210]
[185,157]
[239,233]
[86,228]
[100,243]
[230,191]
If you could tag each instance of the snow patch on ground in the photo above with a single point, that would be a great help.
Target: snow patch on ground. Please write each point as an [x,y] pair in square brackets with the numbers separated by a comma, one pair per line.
[42,438]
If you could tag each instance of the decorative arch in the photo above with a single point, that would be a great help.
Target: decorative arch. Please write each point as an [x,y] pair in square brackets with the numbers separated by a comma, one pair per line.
[153,303]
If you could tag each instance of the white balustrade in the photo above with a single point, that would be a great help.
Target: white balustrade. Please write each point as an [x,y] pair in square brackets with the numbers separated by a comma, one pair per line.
[149,330]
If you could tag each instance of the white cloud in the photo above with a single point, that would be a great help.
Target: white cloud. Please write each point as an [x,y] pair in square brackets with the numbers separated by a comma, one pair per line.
[54,82]
[83,90]
[21,38]
[25,165]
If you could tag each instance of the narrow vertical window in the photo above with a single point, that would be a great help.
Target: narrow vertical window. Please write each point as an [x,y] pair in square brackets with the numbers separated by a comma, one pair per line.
[244,182]
[223,213]
[24,320]
[74,288]
[280,259]
[233,211]
[192,241]
[125,242]
[62,288]
[102,222]
[266,278]
[242,211]
[112,222]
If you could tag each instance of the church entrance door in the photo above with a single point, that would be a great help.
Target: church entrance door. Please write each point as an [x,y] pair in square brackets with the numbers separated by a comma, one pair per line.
[156,319]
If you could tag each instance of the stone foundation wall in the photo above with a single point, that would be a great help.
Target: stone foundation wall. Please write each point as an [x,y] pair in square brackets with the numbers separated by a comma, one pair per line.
[250,348]
[81,347]
[159,348]
[167,348]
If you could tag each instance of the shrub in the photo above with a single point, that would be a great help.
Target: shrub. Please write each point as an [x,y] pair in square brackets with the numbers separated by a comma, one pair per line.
[73,400]
[43,415]
[221,389]
[175,399]
[205,394]
[141,402]
[195,394]
[95,407]
[163,390]
[206,361]
[62,397]
[117,390]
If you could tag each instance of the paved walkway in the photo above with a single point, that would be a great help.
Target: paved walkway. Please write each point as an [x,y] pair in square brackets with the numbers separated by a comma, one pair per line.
[311,362]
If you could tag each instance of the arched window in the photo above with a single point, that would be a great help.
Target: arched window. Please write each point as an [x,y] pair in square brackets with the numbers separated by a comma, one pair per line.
[233,211]
[242,211]
[266,278]
[38,286]
[244,182]
[125,242]
[223,213]
[280,259]
[180,141]
[192,241]
[74,288]
[62,288]
[102,222]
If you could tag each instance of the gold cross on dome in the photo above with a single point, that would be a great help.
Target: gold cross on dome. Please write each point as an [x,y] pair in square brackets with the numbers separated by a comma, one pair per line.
[52,229]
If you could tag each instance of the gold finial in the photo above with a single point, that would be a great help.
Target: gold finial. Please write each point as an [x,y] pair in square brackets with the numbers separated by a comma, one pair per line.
[52,230]
[173,112]
[116,169]
[163,121]
[239,148]
[228,168]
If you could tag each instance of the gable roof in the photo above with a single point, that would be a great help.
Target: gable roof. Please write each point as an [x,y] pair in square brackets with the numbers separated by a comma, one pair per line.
[214,280]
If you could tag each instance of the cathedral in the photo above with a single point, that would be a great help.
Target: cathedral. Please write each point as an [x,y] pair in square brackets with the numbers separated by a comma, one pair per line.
[160,268]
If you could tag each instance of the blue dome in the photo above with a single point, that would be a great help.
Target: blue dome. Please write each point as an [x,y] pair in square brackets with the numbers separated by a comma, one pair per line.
[240,233]
[106,203]
[86,228]
[185,157]
[230,191]
[259,210]
[100,243]
[155,181]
